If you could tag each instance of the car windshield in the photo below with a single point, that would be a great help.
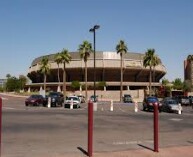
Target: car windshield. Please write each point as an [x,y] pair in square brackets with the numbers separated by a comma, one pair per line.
[152,99]
[53,94]
[34,96]
[93,96]
[74,98]
[172,102]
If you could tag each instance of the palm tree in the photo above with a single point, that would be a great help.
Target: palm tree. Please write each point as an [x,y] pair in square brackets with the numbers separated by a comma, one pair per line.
[65,58]
[58,60]
[156,62]
[85,49]
[45,69]
[121,49]
[149,60]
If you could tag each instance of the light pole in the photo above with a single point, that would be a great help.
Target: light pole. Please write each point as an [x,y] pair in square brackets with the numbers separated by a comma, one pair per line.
[94,30]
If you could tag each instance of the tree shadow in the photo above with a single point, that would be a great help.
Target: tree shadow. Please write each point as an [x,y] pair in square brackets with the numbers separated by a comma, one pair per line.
[83,151]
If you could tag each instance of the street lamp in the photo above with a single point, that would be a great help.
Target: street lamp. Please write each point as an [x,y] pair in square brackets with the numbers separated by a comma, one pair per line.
[94,30]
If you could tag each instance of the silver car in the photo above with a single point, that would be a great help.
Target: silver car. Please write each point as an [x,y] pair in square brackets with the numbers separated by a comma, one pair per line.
[171,105]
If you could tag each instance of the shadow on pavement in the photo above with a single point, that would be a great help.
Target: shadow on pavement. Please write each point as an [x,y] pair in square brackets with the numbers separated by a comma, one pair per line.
[190,142]
[83,151]
[145,147]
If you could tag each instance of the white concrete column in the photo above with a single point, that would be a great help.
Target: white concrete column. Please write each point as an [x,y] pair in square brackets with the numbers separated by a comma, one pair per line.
[58,89]
[136,106]
[111,108]
[128,88]
[179,109]
[29,90]
[49,102]
[71,104]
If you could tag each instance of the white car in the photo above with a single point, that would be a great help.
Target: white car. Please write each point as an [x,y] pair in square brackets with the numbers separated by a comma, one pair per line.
[74,100]
[171,105]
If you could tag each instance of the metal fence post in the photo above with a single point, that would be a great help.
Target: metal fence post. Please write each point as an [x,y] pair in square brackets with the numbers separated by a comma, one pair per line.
[90,128]
[156,137]
[0,122]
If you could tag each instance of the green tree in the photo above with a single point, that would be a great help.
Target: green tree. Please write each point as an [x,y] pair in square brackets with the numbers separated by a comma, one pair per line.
[165,82]
[149,60]
[22,81]
[45,69]
[58,60]
[101,84]
[12,84]
[85,50]
[167,87]
[187,86]
[8,76]
[121,49]
[177,84]
[75,85]
[156,62]
[65,59]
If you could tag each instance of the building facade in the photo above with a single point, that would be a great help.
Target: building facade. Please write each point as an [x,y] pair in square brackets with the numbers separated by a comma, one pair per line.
[188,68]
[107,69]
[2,82]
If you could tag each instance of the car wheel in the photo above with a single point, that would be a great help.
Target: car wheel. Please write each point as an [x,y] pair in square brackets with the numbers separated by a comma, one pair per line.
[144,108]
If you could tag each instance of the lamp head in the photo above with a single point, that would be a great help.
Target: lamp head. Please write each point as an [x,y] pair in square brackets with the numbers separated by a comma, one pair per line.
[96,26]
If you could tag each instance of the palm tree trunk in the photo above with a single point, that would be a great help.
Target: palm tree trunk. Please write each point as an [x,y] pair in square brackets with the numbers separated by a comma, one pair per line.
[45,82]
[150,78]
[64,81]
[121,84]
[58,77]
[154,80]
[86,96]
[58,74]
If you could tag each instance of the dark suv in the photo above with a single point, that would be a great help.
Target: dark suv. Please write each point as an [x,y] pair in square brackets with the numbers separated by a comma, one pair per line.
[149,102]
[57,98]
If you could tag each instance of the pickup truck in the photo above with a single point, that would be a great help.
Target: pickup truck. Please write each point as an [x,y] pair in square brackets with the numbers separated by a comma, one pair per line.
[127,98]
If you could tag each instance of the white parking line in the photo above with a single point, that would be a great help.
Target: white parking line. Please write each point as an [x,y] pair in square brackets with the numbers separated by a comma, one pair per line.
[175,119]
[131,142]
[4,98]
[9,108]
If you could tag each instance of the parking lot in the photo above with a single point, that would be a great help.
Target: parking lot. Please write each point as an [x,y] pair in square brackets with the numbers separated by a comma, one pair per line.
[41,131]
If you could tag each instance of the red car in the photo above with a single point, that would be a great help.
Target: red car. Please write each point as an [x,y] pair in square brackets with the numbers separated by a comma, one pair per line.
[35,100]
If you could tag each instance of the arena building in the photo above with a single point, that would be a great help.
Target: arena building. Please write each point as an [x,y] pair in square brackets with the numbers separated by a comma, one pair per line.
[135,75]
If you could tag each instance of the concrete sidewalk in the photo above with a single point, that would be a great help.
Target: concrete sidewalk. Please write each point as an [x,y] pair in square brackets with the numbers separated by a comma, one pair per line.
[181,151]
[186,151]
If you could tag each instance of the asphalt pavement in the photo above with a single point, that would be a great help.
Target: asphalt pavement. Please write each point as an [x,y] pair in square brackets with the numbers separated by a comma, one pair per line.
[57,132]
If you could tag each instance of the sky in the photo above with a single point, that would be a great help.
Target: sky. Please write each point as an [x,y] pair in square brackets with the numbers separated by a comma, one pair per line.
[32,28]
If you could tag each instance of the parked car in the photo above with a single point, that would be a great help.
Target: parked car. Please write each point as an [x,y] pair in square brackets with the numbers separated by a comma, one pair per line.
[170,104]
[191,100]
[127,98]
[149,102]
[72,99]
[183,100]
[82,98]
[35,100]
[92,98]
[57,98]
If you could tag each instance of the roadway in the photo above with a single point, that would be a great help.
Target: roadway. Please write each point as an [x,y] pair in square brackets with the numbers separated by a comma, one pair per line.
[40,131]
